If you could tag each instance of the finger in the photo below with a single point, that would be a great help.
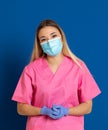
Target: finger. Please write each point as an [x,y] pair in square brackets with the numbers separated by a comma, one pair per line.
[55,109]
[55,113]
[55,116]
[57,106]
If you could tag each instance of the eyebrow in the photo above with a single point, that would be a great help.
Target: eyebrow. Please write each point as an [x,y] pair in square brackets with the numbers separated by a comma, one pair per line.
[42,37]
[50,34]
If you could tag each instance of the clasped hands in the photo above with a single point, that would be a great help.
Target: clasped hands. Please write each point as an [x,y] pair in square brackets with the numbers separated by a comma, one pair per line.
[56,112]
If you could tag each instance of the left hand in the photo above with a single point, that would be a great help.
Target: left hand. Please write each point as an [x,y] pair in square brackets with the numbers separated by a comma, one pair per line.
[63,111]
[47,111]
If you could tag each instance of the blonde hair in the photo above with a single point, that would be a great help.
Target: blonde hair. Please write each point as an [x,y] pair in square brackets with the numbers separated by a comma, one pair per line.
[37,50]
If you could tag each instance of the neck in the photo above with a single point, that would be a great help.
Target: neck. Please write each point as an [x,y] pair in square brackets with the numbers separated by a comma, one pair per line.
[55,59]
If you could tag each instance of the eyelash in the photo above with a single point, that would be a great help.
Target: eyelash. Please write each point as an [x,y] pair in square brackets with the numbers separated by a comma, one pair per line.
[53,36]
[43,40]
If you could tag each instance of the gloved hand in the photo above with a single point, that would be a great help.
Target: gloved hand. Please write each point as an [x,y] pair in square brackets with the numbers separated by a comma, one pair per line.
[47,111]
[62,111]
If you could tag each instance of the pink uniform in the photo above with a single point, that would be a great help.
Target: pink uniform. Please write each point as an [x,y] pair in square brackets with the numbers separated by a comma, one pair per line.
[69,86]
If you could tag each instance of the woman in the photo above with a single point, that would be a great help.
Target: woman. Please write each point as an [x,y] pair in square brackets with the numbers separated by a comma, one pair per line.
[56,89]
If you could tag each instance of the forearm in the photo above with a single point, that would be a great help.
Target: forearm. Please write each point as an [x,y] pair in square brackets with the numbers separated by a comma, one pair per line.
[27,110]
[81,109]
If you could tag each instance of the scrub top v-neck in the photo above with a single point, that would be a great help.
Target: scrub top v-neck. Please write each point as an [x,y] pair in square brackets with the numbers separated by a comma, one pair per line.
[49,70]
[69,86]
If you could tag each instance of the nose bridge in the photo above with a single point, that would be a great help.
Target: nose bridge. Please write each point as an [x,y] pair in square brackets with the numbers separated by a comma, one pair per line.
[49,38]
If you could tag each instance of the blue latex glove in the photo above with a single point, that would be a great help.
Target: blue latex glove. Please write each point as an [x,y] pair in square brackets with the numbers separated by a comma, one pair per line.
[47,111]
[62,111]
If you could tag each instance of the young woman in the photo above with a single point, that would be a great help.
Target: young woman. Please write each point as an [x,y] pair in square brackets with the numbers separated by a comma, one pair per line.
[55,89]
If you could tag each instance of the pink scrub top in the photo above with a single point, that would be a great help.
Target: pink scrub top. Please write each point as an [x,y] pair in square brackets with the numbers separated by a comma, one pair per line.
[69,86]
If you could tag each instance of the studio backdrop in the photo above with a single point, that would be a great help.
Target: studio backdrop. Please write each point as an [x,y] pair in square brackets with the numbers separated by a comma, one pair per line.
[85,25]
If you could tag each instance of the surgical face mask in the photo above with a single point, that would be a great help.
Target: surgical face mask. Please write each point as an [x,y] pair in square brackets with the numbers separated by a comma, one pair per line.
[52,47]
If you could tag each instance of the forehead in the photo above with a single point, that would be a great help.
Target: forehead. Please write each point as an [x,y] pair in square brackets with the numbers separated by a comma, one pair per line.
[47,31]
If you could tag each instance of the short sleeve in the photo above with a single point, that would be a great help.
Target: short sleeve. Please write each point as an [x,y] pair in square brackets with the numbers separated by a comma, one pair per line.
[24,90]
[88,88]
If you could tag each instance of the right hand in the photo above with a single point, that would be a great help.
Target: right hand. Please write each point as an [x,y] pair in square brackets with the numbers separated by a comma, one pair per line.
[48,111]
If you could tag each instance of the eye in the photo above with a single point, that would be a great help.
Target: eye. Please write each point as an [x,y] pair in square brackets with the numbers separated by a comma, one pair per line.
[53,36]
[43,40]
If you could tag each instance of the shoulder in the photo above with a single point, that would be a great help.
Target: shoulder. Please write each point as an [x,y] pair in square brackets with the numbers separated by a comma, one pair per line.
[32,66]
[84,70]
[78,65]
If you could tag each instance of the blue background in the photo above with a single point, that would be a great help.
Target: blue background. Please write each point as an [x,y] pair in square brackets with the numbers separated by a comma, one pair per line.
[85,25]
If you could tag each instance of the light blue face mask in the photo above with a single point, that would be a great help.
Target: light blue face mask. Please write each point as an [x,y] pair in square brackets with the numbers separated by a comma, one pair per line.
[52,47]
